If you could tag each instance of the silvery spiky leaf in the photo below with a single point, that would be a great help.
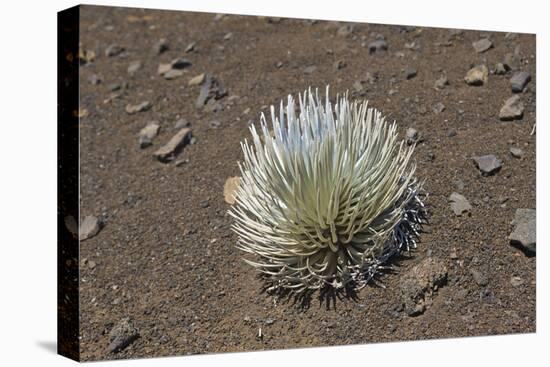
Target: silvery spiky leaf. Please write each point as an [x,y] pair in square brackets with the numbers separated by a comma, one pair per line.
[327,197]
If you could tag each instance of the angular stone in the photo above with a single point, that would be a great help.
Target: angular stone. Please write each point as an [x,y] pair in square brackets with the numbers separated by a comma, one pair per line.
[147,134]
[113,50]
[512,61]
[412,136]
[191,47]
[161,46]
[516,152]
[134,67]
[488,164]
[482,45]
[164,68]
[171,149]
[438,107]
[500,69]
[524,234]
[89,227]
[512,110]
[478,75]
[122,335]
[459,204]
[410,73]
[143,106]
[197,80]
[229,189]
[519,81]
[210,89]
[441,82]
[173,74]
[310,69]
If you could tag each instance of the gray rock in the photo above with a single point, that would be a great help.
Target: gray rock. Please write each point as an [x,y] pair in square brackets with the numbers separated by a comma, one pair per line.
[524,234]
[519,81]
[147,134]
[451,132]
[89,227]
[442,82]
[459,204]
[164,68]
[377,46]
[210,89]
[174,146]
[419,286]
[438,107]
[143,106]
[410,73]
[310,69]
[476,76]
[412,136]
[122,335]
[512,61]
[113,50]
[516,281]
[482,45]
[161,46]
[512,110]
[134,67]
[181,123]
[488,164]
[516,152]
[94,79]
[480,278]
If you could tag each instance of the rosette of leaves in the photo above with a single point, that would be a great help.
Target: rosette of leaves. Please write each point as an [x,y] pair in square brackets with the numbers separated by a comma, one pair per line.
[327,197]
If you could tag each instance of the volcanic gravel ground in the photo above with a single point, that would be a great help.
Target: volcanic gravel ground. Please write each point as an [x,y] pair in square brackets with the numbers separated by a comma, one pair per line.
[165,255]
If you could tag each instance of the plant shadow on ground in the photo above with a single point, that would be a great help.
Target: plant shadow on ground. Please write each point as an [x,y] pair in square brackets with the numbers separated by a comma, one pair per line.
[329,297]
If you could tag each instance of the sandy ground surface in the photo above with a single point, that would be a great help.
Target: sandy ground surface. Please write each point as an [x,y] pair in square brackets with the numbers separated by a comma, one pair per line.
[165,257]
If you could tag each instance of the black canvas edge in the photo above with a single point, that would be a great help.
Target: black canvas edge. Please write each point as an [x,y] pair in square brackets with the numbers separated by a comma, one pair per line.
[68,309]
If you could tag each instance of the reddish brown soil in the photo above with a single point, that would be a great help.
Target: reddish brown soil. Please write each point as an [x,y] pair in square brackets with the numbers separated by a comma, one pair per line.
[166,255]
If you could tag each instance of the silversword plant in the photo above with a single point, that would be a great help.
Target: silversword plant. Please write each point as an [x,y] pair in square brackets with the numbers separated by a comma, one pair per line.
[327,197]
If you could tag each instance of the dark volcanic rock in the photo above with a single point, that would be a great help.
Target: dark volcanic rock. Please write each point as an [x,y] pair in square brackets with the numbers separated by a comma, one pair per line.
[418,286]
[210,89]
[122,335]
[488,164]
[519,81]
[524,234]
